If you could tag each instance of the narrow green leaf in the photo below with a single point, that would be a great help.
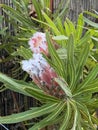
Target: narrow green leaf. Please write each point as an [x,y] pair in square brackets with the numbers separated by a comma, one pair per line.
[85,38]
[94,38]
[3,31]
[60,37]
[42,3]
[62,52]
[71,26]
[86,114]
[11,84]
[59,25]
[57,11]
[50,118]
[57,111]
[16,15]
[43,123]
[75,120]
[81,61]
[55,58]
[42,22]
[64,86]
[76,114]
[67,29]
[92,14]
[26,89]
[24,52]
[38,9]
[51,24]
[91,76]
[40,95]
[70,62]
[64,10]
[93,24]
[66,118]
[94,120]
[91,87]
[80,25]
[29,114]
[24,4]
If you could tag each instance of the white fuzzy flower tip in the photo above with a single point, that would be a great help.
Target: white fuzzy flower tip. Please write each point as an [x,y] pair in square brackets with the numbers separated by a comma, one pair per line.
[38,43]
[42,74]
[35,66]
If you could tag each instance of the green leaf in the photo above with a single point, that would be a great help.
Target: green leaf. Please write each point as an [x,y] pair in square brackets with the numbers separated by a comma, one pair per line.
[91,76]
[92,14]
[1,18]
[24,4]
[94,38]
[55,58]
[71,26]
[84,39]
[51,24]
[67,29]
[86,115]
[38,9]
[93,24]
[57,111]
[70,62]
[57,11]
[81,61]
[60,37]
[50,118]
[43,123]
[60,26]
[80,25]
[91,87]
[62,52]
[64,11]
[16,15]
[40,95]
[25,89]
[67,116]
[11,84]
[94,120]
[3,31]
[76,118]
[29,114]
[24,52]
[64,86]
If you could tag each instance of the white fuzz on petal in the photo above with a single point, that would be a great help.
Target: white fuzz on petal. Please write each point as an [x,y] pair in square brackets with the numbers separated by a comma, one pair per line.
[35,65]
[26,65]
[38,43]
[42,74]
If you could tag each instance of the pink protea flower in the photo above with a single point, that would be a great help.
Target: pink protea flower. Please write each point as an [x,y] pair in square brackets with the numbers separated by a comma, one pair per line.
[38,43]
[42,74]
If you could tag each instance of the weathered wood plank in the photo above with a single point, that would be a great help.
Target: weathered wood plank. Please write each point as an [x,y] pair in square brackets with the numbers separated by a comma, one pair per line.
[78,6]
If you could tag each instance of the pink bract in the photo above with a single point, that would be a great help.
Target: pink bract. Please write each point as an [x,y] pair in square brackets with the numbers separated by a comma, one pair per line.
[38,43]
[42,74]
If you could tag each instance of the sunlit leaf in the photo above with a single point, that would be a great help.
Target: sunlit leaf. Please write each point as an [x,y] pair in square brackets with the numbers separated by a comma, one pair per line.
[60,37]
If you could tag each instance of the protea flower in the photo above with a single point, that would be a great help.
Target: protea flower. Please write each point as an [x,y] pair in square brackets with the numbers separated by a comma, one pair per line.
[42,74]
[38,43]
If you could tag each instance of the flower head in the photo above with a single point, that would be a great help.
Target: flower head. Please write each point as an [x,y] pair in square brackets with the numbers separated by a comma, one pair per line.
[38,43]
[42,74]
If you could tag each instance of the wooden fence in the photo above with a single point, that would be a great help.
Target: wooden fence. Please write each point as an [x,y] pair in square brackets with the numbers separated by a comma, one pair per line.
[78,6]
